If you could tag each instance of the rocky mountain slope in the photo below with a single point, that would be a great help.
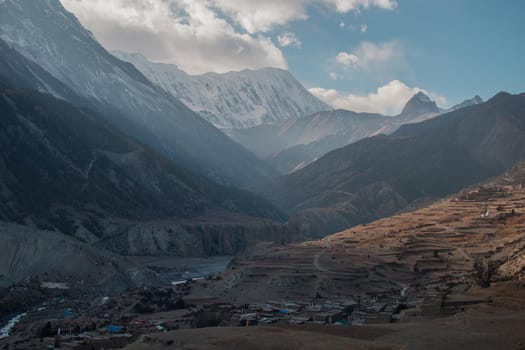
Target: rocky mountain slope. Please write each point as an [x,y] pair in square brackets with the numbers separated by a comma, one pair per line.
[27,252]
[420,107]
[19,72]
[294,143]
[379,176]
[58,159]
[46,34]
[197,237]
[234,100]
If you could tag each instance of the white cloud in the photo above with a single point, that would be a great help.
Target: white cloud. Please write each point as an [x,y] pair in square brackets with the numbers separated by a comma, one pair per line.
[262,16]
[341,24]
[202,35]
[371,62]
[347,59]
[289,39]
[388,99]
[368,54]
[364,28]
[187,33]
[333,76]
[353,5]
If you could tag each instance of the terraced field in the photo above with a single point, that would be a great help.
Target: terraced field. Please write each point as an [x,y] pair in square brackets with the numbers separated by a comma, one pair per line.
[428,250]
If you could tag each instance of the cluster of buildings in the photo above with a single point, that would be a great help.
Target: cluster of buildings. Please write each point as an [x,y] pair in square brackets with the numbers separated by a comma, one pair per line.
[112,336]
[351,312]
[339,312]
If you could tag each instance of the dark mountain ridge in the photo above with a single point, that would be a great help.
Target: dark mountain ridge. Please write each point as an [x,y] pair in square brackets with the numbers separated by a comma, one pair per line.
[381,175]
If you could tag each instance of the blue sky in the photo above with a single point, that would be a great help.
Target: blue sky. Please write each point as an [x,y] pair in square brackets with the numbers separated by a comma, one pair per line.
[364,55]
[456,48]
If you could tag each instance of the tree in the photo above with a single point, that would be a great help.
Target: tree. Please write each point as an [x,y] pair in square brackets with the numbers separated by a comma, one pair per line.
[46,331]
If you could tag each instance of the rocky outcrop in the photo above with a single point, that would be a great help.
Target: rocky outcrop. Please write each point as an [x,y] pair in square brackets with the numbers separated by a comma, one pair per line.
[27,252]
[196,239]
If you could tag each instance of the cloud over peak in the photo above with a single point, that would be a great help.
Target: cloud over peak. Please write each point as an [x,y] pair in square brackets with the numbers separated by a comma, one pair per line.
[388,99]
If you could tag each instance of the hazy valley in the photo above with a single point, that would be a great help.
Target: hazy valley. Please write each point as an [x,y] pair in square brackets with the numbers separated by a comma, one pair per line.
[146,207]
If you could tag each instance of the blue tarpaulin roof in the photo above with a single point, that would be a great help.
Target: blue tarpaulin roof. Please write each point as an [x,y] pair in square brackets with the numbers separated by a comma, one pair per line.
[68,313]
[114,329]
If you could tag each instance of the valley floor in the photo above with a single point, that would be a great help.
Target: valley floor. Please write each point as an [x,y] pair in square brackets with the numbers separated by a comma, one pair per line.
[478,327]
[414,269]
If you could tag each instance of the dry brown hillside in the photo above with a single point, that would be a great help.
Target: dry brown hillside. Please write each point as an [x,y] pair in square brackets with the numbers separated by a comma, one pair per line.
[431,249]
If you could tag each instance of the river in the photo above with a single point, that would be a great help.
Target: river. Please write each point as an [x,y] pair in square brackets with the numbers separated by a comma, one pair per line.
[6,330]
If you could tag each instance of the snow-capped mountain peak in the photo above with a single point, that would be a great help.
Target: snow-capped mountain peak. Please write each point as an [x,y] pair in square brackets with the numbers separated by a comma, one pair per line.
[233,100]
[421,96]
[476,100]
[418,105]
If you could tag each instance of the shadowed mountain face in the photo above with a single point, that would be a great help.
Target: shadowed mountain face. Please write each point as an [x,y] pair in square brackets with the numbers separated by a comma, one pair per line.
[294,143]
[46,34]
[64,167]
[379,176]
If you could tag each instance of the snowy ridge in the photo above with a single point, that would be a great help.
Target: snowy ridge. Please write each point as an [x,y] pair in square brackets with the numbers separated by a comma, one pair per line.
[233,100]
[476,100]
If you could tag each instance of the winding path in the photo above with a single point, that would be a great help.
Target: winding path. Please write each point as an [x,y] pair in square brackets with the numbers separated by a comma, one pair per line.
[316,263]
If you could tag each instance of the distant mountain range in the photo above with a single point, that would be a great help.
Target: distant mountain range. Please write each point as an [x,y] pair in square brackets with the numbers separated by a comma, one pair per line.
[294,143]
[467,103]
[381,175]
[234,100]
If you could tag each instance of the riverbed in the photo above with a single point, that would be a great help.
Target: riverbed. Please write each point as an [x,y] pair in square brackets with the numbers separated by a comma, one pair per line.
[6,330]
[175,269]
